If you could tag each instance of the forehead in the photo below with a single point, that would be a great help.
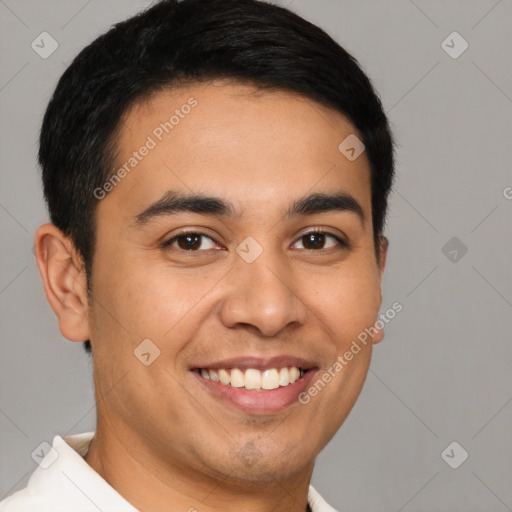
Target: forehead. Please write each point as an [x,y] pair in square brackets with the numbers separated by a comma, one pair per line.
[233,141]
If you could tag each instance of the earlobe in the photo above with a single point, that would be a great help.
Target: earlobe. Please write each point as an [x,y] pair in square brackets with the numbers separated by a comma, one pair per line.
[378,337]
[64,281]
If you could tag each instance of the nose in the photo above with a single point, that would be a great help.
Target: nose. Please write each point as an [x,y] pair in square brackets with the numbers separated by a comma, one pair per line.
[260,294]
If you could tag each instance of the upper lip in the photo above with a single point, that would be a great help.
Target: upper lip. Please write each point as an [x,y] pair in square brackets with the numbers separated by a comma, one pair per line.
[260,363]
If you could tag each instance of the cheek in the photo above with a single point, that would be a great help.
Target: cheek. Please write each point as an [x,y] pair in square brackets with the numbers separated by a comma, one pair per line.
[349,302]
[136,300]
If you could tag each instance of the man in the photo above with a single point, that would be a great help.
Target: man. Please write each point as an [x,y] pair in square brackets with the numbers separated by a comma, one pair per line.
[217,174]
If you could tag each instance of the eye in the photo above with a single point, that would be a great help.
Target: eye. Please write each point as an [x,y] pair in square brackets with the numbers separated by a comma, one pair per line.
[318,239]
[191,242]
[312,240]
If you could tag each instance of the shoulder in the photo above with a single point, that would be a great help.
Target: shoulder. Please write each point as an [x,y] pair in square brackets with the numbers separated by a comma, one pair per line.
[317,503]
[64,482]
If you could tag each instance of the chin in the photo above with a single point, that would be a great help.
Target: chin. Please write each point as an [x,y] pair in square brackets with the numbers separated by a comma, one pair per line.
[250,464]
[263,472]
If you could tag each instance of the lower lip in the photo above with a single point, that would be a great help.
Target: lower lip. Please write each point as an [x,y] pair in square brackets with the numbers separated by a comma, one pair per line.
[259,402]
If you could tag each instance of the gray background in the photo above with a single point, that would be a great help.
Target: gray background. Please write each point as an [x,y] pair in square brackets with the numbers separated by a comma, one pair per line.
[443,372]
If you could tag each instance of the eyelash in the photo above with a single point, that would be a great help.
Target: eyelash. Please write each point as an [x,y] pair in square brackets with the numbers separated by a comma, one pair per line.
[343,244]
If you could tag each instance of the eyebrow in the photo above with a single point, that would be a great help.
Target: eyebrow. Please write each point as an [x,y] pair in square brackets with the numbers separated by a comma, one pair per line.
[173,202]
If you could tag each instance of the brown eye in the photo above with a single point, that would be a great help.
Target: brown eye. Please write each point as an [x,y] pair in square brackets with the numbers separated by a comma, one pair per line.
[191,242]
[317,240]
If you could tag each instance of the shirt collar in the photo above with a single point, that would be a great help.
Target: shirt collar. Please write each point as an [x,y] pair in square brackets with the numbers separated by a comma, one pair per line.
[64,481]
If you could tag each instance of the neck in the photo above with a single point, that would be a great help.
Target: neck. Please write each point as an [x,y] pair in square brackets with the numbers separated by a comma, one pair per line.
[150,484]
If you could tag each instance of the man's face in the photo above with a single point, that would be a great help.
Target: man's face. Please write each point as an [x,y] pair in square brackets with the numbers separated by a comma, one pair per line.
[251,286]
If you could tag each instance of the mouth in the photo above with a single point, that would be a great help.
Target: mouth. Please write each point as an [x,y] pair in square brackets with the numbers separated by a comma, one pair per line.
[254,378]
[256,386]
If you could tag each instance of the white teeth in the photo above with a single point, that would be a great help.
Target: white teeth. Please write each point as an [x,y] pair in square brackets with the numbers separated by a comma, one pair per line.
[270,379]
[214,375]
[294,374]
[237,378]
[224,377]
[254,379]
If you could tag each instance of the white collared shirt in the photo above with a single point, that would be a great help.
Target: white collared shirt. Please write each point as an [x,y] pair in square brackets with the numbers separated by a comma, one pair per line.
[64,482]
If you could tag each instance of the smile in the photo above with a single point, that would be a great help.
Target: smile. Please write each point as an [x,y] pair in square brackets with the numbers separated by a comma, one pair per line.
[253,378]
[256,385]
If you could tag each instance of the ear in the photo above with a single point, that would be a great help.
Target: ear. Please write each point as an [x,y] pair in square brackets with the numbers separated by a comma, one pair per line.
[64,281]
[381,263]
[383,252]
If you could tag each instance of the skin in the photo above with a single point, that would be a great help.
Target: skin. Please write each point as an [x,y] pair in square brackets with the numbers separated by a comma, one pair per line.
[161,436]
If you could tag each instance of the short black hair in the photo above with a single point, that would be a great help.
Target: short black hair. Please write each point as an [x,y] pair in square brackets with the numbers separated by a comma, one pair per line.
[175,42]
